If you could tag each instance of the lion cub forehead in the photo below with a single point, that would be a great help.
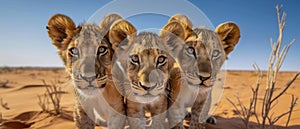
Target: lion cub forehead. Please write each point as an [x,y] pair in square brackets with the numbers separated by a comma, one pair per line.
[147,52]
[206,34]
[147,41]
[208,37]
[90,31]
[90,34]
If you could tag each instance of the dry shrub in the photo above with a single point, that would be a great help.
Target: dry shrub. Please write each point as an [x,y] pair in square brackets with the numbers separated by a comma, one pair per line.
[4,84]
[277,56]
[55,70]
[50,100]
[7,69]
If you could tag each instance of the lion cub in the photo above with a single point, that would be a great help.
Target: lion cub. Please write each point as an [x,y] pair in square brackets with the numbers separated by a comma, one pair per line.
[87,52]
[200,59]
[146,66]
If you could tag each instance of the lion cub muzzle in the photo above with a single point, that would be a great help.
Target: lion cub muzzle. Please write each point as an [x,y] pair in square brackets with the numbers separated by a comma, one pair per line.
[92,81]
[147,87]
[202,77]
[87,78]
[205,79]
[150,79]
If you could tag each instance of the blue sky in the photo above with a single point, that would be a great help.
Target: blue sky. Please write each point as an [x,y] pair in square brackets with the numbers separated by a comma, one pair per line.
[24,38]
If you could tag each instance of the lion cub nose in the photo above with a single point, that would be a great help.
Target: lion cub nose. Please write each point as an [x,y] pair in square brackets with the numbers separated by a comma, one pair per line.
[204,76]
[88,79]
[147,88]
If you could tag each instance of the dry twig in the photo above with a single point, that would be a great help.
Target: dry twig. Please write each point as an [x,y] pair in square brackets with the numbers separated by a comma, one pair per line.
[3,104]
[44,102]
[1,119]
[293,103]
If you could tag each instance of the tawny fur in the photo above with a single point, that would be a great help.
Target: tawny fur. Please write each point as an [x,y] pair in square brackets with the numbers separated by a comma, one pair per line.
[206,44]
[229,34]
[148,47]
[96,97]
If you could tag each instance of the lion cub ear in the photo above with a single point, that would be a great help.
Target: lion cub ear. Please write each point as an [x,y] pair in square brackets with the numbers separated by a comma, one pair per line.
[121,30]
[186,24]
[172,36]
[229,34]
[108,20]
[172,31]
[184,20]
[61,29]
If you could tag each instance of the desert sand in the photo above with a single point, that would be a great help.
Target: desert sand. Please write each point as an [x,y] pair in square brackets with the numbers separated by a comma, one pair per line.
[20,87]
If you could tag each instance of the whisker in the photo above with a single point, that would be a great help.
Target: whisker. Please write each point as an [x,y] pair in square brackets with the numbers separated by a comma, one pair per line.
[170,99]
[128,93]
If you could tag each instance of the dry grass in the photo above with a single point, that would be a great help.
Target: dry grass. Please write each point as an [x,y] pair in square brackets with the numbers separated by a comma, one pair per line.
[277,56]
[1,119]
[4,104]
[50,100]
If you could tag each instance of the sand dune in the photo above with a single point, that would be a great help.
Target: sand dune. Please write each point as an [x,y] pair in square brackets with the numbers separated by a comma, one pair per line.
[26,84]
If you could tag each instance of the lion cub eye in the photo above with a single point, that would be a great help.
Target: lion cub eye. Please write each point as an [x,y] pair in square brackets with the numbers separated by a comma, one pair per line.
[191,50]
[102,50]
[161,60]
[74,52]
[134,58]
[215,54]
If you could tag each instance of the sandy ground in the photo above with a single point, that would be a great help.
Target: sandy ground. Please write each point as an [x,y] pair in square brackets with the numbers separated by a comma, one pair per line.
[25,84]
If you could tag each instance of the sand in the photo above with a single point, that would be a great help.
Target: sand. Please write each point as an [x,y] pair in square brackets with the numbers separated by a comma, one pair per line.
[24,85]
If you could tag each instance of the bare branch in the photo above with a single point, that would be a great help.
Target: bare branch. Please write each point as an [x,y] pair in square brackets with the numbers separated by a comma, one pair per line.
[235,107]
[243,108]
[284,52]
[293,104]
[279,117]
[286,87]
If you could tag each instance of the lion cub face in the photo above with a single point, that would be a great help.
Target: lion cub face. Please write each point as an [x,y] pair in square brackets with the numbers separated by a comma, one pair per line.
[85,51]
[89,58]
[147,66]
[191,54]
[198,70]
[204,51]
[145,61]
